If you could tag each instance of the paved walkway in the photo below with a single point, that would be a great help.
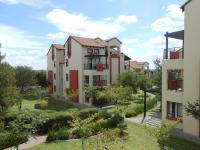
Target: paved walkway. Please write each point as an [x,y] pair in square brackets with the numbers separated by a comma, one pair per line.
[152,119]
[33,141]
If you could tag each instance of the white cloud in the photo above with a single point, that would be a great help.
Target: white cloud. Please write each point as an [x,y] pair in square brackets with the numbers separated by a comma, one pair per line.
[58,35]
[174,11]
[172,21]
[21,48]
[79,24]
[126,19]
[32,3]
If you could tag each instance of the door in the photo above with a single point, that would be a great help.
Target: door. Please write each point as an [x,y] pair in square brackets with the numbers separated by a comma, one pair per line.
[73,82]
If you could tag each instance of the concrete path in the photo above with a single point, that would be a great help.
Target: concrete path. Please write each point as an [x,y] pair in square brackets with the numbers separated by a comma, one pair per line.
[33,141]
[153,118]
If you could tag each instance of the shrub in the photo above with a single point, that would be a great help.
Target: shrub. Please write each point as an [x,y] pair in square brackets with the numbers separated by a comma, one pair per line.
[76,133]
[8,139]
[55,121]
[104,114]
[51,136]
[41,104]
[61,134]
[85,113]
[113,121]
[130,113]
[151,103]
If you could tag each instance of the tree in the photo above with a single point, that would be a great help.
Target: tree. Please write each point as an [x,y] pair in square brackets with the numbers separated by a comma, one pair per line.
[41,78]
[157,75]
[144,82]
[7,85]
[25,78]
[91,92]
[129,78]
[193,109]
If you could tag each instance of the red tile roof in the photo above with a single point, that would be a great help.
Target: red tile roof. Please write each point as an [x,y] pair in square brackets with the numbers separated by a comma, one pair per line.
[87,41]
[137,65]
[183,6]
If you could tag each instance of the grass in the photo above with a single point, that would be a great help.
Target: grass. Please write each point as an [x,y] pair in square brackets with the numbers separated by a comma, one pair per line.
[139,139]
[53,104]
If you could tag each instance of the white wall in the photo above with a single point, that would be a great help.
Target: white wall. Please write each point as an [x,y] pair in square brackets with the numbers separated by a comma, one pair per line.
[192,62]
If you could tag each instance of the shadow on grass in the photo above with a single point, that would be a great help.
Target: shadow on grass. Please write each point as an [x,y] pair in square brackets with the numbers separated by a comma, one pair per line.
[30,97]
[177,144]
[58,105]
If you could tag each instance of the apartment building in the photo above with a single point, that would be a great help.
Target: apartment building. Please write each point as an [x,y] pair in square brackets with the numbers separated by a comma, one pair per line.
[83,61]
[181,71]
[139,67]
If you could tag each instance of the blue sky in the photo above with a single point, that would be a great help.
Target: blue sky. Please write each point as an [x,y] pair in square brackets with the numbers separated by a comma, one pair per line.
[29,27]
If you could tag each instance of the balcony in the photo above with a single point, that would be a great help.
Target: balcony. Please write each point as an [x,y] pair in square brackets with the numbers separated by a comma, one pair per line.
[173,53]
[100,83]
[97,67]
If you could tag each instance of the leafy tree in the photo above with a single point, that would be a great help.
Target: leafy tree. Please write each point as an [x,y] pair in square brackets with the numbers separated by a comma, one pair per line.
[7,85]
[41,78]
[25,78]
[91,91]
[144,82]
[157,75]
[193,109]
[130,79]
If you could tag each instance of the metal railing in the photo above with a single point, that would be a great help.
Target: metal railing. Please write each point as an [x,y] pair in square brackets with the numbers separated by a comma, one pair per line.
[173,53]
[90,66]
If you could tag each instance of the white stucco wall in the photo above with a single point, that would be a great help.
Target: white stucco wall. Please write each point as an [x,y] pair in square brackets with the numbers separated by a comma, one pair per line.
[191,62]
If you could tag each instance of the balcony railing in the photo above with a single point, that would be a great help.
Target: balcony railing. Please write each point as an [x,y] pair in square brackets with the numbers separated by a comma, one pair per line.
[98,67]
[100,83]
[173,53]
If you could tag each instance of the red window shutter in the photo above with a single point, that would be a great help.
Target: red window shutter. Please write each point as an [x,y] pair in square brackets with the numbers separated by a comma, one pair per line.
[53,54]
[69,48]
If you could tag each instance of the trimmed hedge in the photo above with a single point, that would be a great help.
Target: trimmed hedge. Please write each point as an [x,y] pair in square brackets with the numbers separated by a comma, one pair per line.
[8,139]
[139,108]
[130,113]
[85,113]
[113,121]
[42,121]
[61,134]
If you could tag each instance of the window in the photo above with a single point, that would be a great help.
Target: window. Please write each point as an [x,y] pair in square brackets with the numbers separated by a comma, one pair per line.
[67,77]
[96,51]
[175,80]
[174,110]
[54,76]
[66,63]
[54,64]
[89,50]
[86,81]
[87,99]
[54,88]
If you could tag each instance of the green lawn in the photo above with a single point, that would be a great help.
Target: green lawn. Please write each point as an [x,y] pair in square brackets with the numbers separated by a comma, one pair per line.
[139,139]
[53,104]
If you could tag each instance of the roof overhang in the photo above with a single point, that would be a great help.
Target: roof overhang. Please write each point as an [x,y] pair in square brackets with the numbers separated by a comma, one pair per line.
[126,57]
[176,35]
[183,6]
